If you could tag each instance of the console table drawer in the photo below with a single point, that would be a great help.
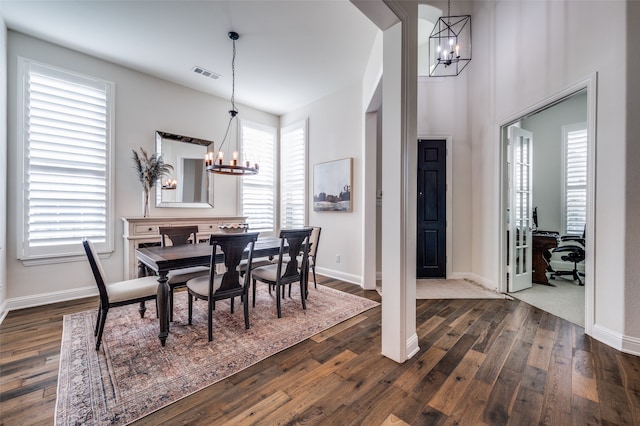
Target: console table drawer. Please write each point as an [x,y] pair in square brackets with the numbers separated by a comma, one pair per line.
[208,228]
[145,229]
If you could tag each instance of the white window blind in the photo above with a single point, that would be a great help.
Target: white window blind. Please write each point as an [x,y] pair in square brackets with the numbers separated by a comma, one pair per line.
[293,166]
[575,165]
[258,191]
[66,145]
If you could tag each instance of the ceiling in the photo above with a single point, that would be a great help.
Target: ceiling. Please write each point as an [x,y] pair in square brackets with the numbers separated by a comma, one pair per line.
[290,53]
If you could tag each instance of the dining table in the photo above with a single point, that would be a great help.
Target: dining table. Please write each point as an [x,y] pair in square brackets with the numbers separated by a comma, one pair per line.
[161,260]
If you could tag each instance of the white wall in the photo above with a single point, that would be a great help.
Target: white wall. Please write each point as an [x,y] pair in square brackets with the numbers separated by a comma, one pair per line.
[546,127]
[523,53]
[143,105]
[443,112]
[3,164]
[335,132]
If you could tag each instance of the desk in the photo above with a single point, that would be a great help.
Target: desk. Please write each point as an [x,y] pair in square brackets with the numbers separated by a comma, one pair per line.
[164,259]
[542,241]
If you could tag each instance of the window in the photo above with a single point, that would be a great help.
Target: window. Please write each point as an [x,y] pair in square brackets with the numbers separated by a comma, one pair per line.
[258,191]
[575,173]
[66,141]
[293,145]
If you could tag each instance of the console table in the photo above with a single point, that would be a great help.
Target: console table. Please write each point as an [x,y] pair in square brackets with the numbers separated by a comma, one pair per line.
[143,232]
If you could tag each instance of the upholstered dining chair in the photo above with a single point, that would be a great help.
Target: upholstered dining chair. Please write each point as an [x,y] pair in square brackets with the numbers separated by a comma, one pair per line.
[313,250]
[177,236]
[116,293]
[226,285]
[294,244]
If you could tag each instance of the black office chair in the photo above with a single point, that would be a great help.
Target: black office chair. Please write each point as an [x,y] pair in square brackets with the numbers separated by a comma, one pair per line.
[571,249]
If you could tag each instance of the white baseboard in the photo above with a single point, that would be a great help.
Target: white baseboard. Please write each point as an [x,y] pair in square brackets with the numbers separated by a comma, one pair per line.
[338,275]
[626,344]
[412,346]
[3,311]
[48,298]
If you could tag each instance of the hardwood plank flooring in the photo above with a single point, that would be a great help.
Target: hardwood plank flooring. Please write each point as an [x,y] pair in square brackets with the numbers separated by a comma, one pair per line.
[481,362]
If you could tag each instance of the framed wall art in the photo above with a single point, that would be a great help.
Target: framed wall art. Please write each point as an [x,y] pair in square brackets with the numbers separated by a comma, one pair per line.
[332,186]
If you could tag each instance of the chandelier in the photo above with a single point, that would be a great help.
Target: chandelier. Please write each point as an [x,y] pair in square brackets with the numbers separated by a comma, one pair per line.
[450,45]
[214,162]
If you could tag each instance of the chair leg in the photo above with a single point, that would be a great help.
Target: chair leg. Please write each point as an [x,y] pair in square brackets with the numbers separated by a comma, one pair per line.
[315,282]
[142,309]
[303,295]
[254,292]
[190,305]
[210,319]
[278,299]
[170,304]
[232,303]
[95,332]
[246,311]
[103,320]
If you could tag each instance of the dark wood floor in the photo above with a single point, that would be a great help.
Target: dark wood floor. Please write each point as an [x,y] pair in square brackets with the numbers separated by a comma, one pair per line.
[489,362]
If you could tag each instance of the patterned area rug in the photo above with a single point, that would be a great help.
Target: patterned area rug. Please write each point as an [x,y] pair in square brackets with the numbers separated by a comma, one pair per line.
[133,375]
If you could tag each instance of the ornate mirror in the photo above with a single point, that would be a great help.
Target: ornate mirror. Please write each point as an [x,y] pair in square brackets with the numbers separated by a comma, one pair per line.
[189,184]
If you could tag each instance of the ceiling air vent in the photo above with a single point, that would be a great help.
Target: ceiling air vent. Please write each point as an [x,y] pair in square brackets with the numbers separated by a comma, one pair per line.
[206,73]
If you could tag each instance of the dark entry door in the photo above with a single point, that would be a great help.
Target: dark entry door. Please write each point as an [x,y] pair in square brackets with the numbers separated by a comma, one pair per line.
[431,258]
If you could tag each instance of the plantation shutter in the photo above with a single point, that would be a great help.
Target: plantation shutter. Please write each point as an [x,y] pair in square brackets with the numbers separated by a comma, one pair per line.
[66,147]
[293,175]
[576,180]
[258,191]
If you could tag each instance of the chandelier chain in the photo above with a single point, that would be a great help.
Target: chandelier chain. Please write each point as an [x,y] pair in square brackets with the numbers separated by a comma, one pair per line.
[233,112]
[233,77]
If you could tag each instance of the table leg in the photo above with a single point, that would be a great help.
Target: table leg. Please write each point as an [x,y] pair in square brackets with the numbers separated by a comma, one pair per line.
[163,307]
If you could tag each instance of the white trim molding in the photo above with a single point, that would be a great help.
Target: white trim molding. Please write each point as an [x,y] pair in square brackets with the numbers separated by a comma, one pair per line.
[589,83]
[412,345]
[621,342]
[339,275]
[49,298]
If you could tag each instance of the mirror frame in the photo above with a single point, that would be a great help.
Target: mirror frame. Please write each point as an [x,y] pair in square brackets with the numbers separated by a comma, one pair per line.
[171,137]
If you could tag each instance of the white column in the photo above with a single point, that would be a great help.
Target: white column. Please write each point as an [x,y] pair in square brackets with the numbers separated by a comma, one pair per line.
[399,338]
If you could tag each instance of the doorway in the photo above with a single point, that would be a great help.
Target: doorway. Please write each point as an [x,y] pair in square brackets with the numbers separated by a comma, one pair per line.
[546,193]
[431,249]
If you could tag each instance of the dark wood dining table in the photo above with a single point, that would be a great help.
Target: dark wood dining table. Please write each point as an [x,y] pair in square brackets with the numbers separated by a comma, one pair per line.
[161,260]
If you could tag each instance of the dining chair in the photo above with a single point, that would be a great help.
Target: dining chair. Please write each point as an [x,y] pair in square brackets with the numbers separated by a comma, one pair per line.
[313,250]
[230,283]
[239,228]
[177,236]
[116,293]
[294,243]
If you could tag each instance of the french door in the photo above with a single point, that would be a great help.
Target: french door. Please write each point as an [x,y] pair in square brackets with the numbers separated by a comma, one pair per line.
[520,209]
